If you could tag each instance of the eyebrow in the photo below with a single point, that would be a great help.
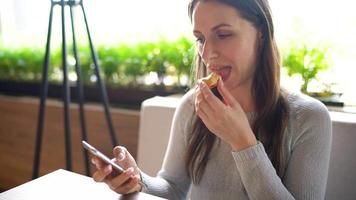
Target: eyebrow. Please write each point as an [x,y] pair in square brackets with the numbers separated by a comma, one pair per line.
[215,27]
[220,25]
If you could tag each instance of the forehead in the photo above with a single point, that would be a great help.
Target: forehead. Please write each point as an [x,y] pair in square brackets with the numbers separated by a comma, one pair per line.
[209,13]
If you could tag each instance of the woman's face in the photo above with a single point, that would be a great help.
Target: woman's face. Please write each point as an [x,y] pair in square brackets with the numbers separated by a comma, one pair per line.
[226,42]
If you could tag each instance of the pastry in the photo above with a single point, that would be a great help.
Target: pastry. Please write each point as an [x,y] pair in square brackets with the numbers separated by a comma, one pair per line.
[212,82]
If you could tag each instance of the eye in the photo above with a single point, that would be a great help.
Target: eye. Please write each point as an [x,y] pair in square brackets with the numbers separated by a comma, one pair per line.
[223,35]
[199,40]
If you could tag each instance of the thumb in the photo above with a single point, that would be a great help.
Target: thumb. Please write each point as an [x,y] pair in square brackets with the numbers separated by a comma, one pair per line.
[119,153]
[228,98]
[123,157]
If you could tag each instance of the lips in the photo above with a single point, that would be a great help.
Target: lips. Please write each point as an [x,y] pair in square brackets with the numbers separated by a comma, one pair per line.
[224,72]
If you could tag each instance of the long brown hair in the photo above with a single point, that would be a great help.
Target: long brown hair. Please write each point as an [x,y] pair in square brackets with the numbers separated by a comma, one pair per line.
[270,102]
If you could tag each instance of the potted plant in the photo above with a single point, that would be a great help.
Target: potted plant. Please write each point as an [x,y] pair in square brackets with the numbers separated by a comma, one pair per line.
[308,62]
[123,69]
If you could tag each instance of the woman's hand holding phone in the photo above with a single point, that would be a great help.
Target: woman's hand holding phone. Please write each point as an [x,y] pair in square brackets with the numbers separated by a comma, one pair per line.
[128,181]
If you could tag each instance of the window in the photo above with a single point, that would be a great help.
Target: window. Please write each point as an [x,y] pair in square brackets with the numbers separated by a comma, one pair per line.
[26,21]
[323,22]
[313,22]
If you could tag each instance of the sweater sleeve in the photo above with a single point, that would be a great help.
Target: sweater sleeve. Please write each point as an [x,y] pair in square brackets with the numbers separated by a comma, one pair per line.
[172,181]
[306,170]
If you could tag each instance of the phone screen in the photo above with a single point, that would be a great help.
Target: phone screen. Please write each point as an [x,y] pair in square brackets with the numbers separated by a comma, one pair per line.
[103,157]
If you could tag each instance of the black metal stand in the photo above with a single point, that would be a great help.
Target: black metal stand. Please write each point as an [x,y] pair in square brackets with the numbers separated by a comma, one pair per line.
[66,89]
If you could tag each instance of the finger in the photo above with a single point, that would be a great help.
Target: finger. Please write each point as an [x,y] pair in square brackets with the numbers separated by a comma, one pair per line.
[99,164]
[132,185]
[228,98]
[210,98]
[208,106]
[120,153]
[101,174]
[122,157]
[119,181]
[202,114]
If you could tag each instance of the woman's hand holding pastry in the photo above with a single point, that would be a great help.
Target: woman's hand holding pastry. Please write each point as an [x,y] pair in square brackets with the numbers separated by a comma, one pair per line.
[226,120]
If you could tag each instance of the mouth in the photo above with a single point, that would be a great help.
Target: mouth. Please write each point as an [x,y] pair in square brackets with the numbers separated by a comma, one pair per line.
[224,72]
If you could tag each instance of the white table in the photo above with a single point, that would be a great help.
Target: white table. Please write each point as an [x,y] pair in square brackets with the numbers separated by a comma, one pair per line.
[62,184]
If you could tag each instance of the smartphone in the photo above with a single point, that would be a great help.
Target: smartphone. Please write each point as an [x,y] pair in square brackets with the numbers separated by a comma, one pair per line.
[103,157]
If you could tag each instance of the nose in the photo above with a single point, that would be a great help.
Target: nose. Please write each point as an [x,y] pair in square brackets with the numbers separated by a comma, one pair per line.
[208,51]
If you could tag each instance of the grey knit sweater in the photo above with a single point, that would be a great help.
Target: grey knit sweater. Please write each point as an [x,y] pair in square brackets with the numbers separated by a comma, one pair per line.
[249,174]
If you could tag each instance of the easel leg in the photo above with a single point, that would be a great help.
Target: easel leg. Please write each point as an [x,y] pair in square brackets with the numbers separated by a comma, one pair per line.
[44,89]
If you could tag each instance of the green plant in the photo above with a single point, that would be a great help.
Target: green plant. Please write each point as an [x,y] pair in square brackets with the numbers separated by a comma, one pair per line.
[181,57]
[110,63]
[21,63]
[121,64]
[306,62]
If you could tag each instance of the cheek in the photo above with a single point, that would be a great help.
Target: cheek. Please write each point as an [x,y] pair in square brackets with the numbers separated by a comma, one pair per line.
[245,56]
[234,53]
[243,63]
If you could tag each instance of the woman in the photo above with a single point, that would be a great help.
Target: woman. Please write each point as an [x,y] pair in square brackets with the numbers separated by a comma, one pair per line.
[259,142]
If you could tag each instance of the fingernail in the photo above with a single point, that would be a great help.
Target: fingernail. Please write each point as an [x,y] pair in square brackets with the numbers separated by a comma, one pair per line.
[120,156]
[93,161]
